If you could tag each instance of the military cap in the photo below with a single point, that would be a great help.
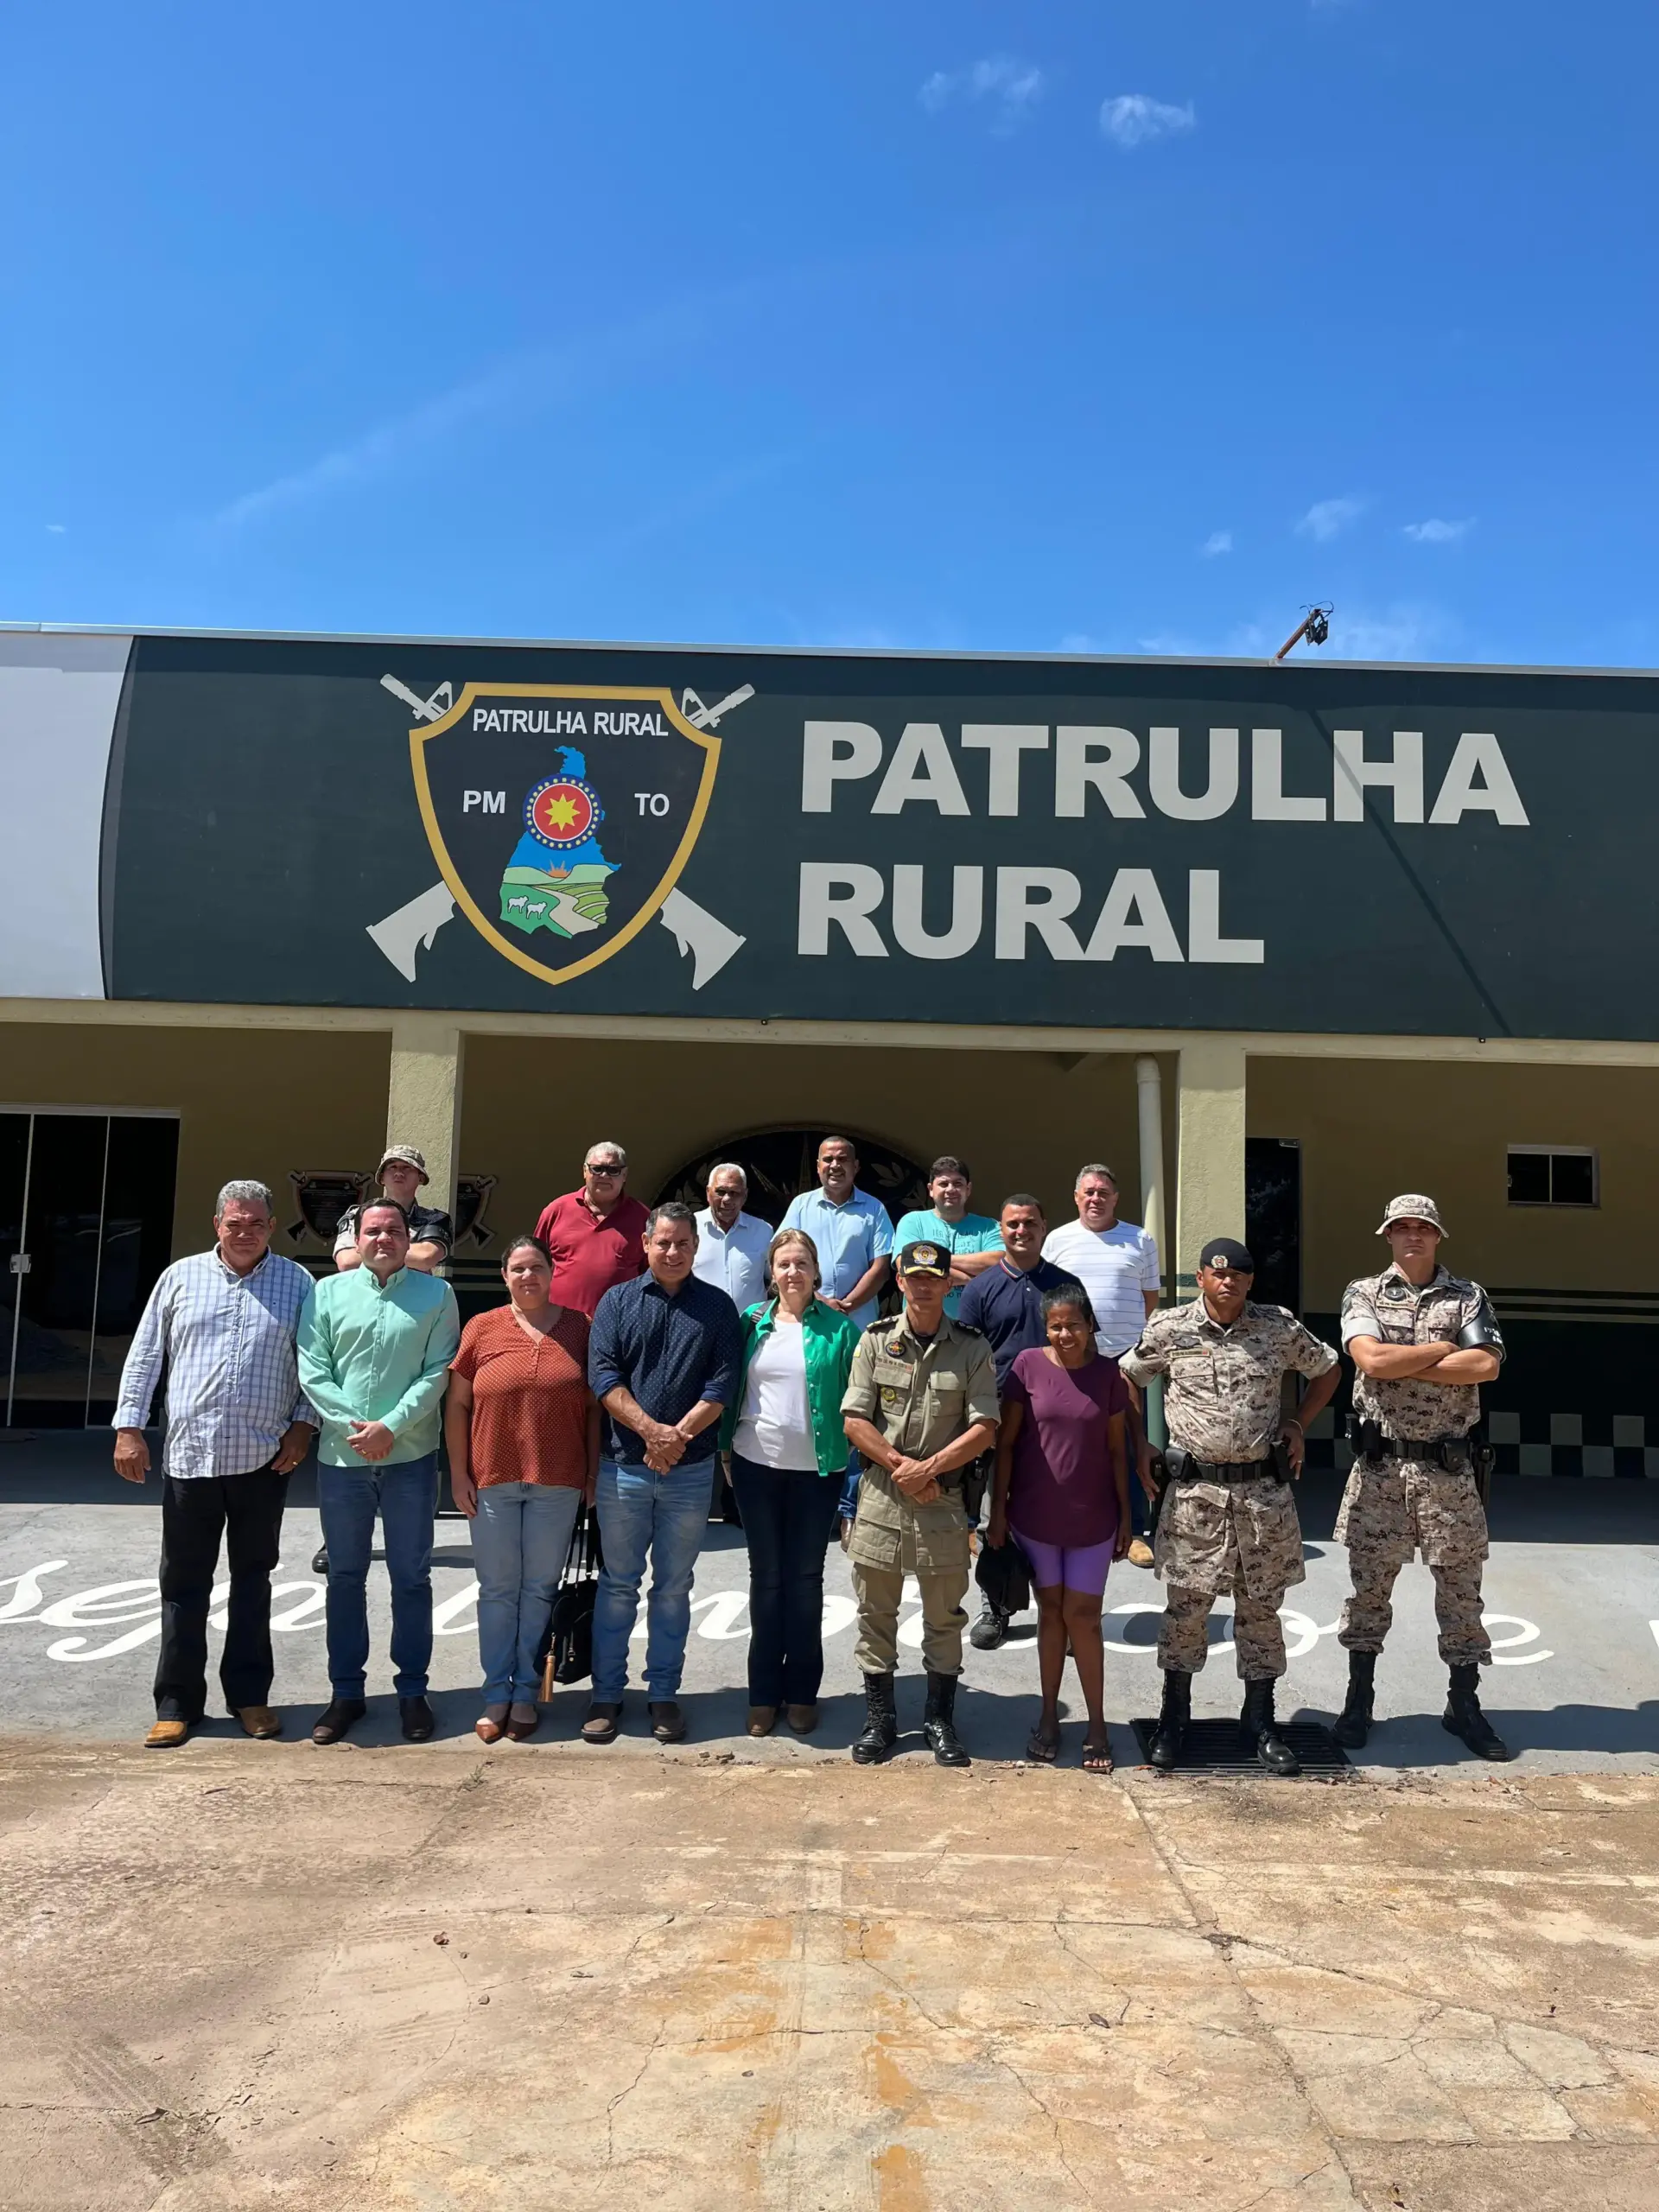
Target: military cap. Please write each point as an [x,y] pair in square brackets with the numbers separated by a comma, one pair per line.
[408,1155]
[1411,1206]
[924,1260]
[1227,1252]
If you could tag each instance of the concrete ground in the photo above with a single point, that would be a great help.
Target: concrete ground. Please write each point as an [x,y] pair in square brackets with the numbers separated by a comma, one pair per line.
[1571,1593]
[407,1979]
[258,1975]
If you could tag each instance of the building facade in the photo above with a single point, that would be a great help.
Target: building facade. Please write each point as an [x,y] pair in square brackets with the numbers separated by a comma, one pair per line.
[1275,941]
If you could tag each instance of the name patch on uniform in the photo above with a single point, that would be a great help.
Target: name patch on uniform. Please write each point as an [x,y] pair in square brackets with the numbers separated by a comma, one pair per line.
[892,1371]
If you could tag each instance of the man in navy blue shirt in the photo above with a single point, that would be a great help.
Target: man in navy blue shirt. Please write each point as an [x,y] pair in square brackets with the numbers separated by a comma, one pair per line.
[1005,1304]
[662,1360]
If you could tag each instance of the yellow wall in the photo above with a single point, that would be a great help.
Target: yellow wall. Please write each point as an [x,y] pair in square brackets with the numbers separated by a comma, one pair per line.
[259,1103]
[1022,1121]
[1370,1128]
[268,1103]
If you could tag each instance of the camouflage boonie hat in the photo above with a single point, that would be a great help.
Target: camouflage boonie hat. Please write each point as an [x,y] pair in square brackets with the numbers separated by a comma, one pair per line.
[408,1155]
[1411,1206]
[924,1259]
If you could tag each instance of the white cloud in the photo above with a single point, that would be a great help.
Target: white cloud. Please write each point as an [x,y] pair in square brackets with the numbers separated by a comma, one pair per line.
[56,529]
[1326,517]
[1133,118]
[1404,632]
[1219,540]
[1013,88]
[1436,533]
[524,383]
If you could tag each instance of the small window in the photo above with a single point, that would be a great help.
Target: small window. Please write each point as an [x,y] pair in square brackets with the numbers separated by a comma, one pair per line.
[1552,1175]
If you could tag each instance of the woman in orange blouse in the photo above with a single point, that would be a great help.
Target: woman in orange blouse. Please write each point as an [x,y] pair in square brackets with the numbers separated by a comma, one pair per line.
[523,1431]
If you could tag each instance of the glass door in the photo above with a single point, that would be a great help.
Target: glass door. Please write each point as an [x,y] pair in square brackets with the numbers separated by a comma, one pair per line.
[86,1227]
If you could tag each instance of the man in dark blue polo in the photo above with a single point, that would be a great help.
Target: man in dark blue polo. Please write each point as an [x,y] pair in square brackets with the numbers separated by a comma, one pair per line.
[1005,1304]
[662,1360]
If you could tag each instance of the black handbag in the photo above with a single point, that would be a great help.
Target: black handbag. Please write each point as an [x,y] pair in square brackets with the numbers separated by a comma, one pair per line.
[566,1653]
[1004,1574]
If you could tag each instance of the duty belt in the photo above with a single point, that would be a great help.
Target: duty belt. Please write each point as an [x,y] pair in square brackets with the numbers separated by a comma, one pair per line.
[1374,1443]
[1185,1467]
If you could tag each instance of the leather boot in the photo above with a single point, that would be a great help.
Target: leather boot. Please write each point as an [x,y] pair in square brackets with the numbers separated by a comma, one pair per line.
[1354,1724]
[939,1722]
[880,1721]
[1262,1729]
[1463,1716]
[1168,1743]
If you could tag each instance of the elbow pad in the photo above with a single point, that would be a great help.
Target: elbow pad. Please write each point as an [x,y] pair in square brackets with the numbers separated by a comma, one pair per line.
[1477,1335]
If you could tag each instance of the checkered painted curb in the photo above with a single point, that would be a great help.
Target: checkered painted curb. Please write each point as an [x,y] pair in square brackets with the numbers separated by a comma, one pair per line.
[1578,1446]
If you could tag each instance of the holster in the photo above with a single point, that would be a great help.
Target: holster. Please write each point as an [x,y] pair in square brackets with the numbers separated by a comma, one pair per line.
[1278,1452]
[1368,1437]
[976,1479]
[1483,1459]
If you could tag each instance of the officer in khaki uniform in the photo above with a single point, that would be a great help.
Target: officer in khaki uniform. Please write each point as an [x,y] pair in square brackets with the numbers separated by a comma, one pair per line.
[920,1404]
[1229,1521]
[1422,1341]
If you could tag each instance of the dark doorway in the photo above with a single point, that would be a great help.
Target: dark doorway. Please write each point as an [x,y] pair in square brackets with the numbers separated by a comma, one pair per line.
[1273,1217]
[780,1162]
[86,1227]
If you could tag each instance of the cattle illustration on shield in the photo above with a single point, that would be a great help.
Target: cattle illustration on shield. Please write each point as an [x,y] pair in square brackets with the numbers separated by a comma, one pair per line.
[561,817]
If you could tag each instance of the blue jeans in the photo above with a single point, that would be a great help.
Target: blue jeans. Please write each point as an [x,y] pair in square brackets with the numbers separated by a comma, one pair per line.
[644,1516]
[521,1533]
[405,1497]
[789,1518]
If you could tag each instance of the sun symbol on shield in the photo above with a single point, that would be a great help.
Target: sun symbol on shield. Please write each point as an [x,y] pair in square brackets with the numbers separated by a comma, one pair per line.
[561,812]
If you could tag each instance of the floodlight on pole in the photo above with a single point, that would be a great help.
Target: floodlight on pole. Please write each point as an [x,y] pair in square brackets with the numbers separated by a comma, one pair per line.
[1315,627]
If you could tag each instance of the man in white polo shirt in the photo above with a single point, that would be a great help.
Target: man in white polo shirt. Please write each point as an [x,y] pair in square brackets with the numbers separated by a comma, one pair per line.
[1116,1263]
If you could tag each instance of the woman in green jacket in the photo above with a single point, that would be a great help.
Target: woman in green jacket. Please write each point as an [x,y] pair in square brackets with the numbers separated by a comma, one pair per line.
[788,1450]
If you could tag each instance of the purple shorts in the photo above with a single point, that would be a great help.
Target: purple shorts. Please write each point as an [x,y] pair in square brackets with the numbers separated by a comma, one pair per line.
[1082,1567]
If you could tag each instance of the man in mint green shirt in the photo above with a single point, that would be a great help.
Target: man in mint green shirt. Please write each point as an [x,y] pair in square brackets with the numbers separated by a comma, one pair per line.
[378,1342]
[973,1240]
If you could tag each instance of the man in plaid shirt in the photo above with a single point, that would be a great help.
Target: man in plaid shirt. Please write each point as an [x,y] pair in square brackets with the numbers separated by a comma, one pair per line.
[238,1425]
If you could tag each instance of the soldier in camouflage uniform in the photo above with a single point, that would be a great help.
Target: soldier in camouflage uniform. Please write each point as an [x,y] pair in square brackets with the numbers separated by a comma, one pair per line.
[1422,1340]
[1229,1522]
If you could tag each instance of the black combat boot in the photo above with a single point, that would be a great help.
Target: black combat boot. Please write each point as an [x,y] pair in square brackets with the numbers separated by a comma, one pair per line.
[1262,1729]
[1463,1716]
[939,1722]
[880,1721]
[1354,1725]
[1168,1743]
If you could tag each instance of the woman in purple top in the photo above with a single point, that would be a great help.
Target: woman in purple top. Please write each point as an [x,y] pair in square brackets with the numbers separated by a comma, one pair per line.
[1063,1493]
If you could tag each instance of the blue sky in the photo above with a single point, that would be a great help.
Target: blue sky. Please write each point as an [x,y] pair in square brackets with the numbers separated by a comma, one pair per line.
[1071,325]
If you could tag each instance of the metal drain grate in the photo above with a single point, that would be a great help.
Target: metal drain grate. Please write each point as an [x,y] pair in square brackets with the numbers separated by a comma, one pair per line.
[1218,1747]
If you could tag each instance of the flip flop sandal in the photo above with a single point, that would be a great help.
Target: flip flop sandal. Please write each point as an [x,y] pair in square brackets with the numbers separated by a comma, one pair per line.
[1043,1750]
[1096,1758]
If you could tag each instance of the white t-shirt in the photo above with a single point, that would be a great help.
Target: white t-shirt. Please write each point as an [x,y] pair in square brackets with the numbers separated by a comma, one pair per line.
[775,1428]
[1115,1266]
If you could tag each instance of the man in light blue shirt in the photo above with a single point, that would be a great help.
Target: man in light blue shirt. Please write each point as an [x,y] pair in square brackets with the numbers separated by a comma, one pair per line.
[732,1244]
[851,1231]
[973,1240]
[375,1346]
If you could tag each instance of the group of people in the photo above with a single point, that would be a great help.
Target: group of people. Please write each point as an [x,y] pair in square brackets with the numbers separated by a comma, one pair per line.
[645,1359]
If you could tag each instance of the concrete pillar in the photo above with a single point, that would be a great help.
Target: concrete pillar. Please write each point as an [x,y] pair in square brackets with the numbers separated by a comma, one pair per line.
[1149,1092]
[1210,1163]
[424,1103]
[1149,1097]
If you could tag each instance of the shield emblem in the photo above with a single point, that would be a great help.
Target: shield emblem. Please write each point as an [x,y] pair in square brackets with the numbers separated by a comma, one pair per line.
[562,814]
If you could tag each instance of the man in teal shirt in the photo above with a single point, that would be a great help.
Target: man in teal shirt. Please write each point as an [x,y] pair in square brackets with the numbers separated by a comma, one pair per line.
[973,1240]
[378,1343]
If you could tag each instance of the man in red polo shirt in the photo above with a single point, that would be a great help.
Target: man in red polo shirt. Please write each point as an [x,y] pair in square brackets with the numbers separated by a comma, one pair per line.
[597,1234]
